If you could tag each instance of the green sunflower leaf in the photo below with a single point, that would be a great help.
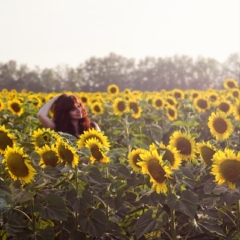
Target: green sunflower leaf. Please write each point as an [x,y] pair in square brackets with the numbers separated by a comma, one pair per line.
[145,223]
[187,203]
[46,233]
[95,224]
[54,209]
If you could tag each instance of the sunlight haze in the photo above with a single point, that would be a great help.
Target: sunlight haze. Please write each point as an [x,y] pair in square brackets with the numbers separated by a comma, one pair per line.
[48,33]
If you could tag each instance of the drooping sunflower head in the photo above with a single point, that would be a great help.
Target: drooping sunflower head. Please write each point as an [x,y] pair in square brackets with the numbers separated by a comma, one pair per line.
[93,133]
[171,155]
[230,83]
[18,165]
[159,172]
[185,145]
[34,100]
[171,112]
[42,137]
[119,106]
[49,156]
[136,109]
[226,167]
[98,153]
[171,100]
[206,152]
[15,106]
[113,89]
[134,158]
[220,126]
[67,153]
[6,139]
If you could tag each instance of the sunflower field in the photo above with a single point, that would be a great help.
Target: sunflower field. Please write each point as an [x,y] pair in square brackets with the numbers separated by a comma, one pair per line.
[165,165]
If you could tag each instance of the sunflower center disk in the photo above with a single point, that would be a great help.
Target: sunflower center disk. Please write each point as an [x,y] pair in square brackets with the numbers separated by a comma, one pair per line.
[66,154]
[121,106]
[224,107]
[156,171]
[5,141]
[231,170]
[134,107]
[16,107]
[50,158]
[184,146]
[16,165]
[220,125]
[169,157]
[96,152]
[207,154]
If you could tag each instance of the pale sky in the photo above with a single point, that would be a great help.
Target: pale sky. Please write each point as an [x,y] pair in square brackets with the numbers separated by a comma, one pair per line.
[47,33]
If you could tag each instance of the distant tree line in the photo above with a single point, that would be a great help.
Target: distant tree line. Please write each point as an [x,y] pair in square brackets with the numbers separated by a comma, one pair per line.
[149,74]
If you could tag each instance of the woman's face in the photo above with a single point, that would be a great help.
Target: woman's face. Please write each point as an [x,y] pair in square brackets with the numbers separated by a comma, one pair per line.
[76,112]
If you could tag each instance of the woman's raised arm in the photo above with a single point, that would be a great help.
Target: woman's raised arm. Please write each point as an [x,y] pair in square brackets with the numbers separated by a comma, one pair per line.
[43,114]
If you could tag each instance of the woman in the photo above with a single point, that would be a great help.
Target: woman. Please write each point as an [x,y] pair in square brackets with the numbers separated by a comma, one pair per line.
[70,115]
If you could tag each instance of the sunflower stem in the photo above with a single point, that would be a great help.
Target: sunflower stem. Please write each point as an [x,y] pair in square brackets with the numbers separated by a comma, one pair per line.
[33,217]
[173,225]
[238,215]
[127,131]
[76,179]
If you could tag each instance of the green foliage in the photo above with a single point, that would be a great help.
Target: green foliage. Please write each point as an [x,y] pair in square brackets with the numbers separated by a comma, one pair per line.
[112,201]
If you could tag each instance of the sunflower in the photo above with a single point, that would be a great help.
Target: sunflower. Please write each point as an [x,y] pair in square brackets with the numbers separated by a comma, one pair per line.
[127,91]
[84,98]
[171,112]
[113,89]
[194,94]
[134,158]
[184,143]
[119,106]
[225,106]
[206,151]
[171,100]
[171,155]
[97,108]
[220,126]
[136,109]
[236,110]
[42,137]
[18,165]
[235,93]
[178,93]
[97,150]
[67,153]
[35,101]
[201,104]
[15,106]
[226,167]
[158,102]
[92,133]
[213,96]
[2,105]
[49,156]
[6,139]
[158,171]
[230,83]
